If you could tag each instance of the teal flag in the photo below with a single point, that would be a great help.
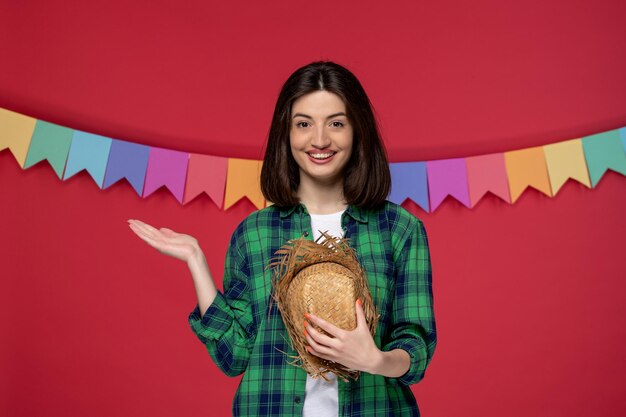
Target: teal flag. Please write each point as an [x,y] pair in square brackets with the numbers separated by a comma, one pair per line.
[52,143]
[604,151]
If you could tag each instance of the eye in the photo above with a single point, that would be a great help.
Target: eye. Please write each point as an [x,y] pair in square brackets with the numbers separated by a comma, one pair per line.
[337,124]
[302,124]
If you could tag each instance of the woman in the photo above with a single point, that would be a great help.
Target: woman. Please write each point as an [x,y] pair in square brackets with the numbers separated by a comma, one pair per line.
[324,169]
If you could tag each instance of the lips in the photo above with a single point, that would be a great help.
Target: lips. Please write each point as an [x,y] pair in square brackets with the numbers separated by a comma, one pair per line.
[321,157]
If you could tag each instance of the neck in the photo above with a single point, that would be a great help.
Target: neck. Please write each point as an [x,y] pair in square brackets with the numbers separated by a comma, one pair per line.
[321,198]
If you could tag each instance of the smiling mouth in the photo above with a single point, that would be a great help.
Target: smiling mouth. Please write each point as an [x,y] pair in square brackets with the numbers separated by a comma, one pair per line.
[321,156]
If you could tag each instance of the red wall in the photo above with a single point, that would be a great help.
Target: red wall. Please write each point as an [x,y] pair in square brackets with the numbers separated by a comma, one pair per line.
[530,298]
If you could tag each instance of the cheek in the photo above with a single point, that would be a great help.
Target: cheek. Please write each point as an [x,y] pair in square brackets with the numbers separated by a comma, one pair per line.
[295,149]
[295,140]
[349,141]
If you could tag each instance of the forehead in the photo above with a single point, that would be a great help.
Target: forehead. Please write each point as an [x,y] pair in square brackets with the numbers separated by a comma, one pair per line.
[318,103]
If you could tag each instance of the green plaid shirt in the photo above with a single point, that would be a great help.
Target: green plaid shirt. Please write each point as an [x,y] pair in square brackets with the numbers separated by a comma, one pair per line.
[243,335]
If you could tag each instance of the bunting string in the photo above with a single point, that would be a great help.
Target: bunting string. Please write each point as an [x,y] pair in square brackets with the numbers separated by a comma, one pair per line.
[227,180]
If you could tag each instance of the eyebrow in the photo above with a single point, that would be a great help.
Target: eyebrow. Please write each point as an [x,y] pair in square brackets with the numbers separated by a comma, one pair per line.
[309,117]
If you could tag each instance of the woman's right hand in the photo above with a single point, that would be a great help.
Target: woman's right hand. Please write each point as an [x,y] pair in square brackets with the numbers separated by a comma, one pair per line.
[167,241]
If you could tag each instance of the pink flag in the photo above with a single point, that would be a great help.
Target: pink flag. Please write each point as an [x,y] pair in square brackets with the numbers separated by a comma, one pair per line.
[447,177]
[206,174]
[166,168]
[487,173]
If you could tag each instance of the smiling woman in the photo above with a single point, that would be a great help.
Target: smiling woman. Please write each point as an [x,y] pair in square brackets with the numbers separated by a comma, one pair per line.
[326,170]
[309,105]
[321,142]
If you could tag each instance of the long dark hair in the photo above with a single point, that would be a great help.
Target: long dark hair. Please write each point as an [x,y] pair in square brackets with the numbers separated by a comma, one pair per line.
[367,179]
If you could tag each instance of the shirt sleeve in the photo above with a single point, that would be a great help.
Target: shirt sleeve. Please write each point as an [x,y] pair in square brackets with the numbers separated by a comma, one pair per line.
[226,328]
[413,321]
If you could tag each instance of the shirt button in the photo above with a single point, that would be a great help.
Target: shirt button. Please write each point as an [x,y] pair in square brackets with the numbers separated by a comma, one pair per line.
[305,234]
[298,400]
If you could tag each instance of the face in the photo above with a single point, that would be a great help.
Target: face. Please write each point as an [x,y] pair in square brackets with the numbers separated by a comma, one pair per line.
[321,138]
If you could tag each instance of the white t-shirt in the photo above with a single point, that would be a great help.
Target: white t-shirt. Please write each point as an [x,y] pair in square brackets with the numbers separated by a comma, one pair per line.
[321,397]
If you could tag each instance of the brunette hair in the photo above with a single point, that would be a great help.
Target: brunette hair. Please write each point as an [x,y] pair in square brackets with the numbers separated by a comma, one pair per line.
[367,179]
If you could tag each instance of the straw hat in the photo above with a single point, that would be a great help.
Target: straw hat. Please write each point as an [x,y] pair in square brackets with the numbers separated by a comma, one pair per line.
[323,278]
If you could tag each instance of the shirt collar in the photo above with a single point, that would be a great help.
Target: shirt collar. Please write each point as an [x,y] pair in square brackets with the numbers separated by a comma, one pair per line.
[355,212]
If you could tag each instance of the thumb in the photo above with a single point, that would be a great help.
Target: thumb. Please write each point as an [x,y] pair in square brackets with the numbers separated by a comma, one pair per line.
[168,232]
[360,314]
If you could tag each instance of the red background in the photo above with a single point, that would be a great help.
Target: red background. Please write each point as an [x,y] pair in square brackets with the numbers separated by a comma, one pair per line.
[529,298]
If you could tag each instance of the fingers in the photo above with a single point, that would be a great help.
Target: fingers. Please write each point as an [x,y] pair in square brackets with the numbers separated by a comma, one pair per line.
[140,223]
[324,325]
[360,314]
[163,235]
[319,338]
[143,236]
[146,228]
[153,231]
[313,346]
[166,241]
[147,233]
[312,351]
[135,228]
[142,232]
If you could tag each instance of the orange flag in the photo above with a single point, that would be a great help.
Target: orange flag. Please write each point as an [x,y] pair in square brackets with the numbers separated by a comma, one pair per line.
[16,131]
[243,180]
[527,167]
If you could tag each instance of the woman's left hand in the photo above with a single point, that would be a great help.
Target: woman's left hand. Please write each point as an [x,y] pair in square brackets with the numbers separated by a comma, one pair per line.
[355,349]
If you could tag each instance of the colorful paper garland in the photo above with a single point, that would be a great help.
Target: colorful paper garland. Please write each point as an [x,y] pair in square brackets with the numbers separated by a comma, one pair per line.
[227,180]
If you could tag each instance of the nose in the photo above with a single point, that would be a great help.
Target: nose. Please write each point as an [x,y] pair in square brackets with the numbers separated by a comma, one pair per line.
[320,138]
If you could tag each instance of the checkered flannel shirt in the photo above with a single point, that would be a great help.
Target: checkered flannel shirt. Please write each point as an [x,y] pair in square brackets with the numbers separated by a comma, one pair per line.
[244,335]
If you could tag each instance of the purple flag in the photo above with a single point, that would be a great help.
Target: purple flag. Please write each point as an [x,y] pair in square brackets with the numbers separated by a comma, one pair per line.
[447,177]
[166,168]
[127,160]
[408,180]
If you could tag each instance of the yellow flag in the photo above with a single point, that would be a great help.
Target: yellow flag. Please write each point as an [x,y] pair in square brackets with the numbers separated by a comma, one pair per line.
[243,180]
[16,131]
[527,167]
[566,160]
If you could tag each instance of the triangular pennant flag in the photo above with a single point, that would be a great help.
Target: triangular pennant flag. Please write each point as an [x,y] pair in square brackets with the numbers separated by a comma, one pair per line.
[207,174]
[604,151]
[447,177]
[243,180]
[16,131]
[408,180]
[52,143]
[622,135]
[127,160]
[90,152]
[527,167]
[166,168]
[487,173]
[566,160]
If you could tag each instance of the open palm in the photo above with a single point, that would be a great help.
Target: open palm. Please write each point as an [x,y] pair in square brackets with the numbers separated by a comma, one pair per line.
[166,241]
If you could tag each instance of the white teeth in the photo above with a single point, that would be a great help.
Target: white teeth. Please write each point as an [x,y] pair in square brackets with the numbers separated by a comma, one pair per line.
[321,155]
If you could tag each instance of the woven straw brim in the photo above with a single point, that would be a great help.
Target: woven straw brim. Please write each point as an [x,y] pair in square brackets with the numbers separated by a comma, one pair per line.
[323,278]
